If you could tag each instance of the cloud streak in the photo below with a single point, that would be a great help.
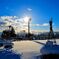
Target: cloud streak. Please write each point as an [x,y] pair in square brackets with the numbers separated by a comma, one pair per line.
[44,24]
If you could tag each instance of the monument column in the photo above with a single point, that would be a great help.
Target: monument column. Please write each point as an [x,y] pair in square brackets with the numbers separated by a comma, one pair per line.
[51,33]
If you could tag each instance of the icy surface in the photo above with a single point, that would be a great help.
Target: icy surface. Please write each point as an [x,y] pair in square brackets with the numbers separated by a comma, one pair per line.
[30,49]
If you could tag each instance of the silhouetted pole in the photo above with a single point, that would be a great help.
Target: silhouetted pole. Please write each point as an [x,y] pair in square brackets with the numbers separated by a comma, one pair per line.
[29,27]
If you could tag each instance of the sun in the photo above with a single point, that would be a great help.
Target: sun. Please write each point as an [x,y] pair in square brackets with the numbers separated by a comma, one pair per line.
[26,19]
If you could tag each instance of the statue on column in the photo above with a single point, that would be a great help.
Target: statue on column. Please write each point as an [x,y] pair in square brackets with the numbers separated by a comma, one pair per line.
[51,33]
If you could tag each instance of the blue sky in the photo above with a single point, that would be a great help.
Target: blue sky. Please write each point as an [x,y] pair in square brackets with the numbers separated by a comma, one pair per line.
[40,11]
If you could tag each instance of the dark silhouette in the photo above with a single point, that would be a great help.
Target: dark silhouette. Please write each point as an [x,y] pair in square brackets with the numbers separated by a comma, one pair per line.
[29,28]
[50,56]
[51,33]
[8,33]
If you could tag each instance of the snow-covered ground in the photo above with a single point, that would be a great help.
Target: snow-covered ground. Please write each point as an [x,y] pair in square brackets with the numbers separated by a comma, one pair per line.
[30,49]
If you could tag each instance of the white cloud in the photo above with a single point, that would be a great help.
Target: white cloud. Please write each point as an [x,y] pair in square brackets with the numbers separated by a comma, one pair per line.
[16,22]
[29,9]
[44,24]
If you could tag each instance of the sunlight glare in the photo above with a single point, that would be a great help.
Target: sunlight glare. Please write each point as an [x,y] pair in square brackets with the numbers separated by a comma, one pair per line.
[26,19]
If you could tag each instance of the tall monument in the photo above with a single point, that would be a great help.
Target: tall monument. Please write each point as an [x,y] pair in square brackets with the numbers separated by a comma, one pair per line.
[51,33]
[50,22]
[29,27]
